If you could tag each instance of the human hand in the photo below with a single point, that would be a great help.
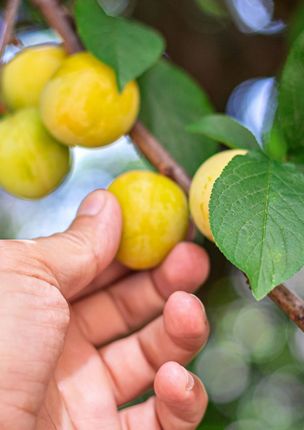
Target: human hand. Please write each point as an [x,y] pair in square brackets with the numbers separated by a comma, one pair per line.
[80,336]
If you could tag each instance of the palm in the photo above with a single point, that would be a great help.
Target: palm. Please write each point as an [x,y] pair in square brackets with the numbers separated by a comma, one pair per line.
[115,344]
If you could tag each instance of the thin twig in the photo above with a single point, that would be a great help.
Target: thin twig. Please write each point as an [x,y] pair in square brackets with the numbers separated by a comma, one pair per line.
[290,303]
[7,23]
[287,301]
[162,160]
[158,156]
[56,16]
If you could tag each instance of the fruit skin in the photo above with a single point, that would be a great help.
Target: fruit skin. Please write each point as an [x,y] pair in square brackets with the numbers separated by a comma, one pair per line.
[32,163]
[202,184]
[155,217]
[25,76]
[81,105]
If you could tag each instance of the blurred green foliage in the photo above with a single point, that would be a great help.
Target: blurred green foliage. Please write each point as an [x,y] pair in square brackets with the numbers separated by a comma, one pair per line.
[253,364]
[297,23]
[214,8]
[170,101]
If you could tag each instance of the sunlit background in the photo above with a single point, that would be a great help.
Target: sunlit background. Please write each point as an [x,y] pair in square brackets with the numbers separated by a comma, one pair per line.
[253,365]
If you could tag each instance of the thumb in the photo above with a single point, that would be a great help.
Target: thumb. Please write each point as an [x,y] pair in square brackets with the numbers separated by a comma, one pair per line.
[78,255]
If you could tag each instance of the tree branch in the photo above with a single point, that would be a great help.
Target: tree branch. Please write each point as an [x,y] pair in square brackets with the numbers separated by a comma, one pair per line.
[7,23]
[158,156]
[57,17]
[288,302]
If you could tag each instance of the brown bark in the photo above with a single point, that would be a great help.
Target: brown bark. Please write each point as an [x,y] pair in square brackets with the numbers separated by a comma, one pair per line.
[290,303]
[158,156]
[10,16]
[57,17]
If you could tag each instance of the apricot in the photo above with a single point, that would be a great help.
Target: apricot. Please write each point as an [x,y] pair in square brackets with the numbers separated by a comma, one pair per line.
[155,217]
[201,188]
[81,105]
[32,163]
[25,76]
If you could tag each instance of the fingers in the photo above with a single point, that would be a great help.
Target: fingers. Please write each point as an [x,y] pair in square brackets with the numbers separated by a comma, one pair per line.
[133,362]
[53,413]
[184,254]
[181,399]
[78,255]
[180,402]
[109,276]
[137,299]
[185,268]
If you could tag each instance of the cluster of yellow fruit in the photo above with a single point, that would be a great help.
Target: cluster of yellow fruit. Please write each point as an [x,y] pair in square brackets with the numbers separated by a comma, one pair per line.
[57,101]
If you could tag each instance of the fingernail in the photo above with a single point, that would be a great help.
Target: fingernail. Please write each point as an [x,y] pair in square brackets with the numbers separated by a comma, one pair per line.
[93,204]
[190,381]
[200,302]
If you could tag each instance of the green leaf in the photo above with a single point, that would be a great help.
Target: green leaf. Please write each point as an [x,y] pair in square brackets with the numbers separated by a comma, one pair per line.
[298,156]
[226,130]
[274,144]
[296,25]
[30,13]
[257,219]
[212,8]
[170,100]
[129,47]
[291,96]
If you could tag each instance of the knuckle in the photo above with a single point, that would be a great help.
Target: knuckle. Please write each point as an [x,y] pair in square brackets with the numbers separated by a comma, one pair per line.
[57,310]
[22,257]
[81,240]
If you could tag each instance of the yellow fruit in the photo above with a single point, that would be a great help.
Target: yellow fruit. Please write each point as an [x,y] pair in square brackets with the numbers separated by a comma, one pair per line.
[32,163]
[202,184]
[81,105]
[155,217]
[25,76]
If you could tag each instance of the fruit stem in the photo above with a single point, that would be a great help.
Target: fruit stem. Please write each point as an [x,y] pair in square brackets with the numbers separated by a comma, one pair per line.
[8,23]
[59,19]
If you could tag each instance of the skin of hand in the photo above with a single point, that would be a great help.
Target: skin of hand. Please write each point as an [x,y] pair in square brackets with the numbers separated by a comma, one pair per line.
[81,336]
